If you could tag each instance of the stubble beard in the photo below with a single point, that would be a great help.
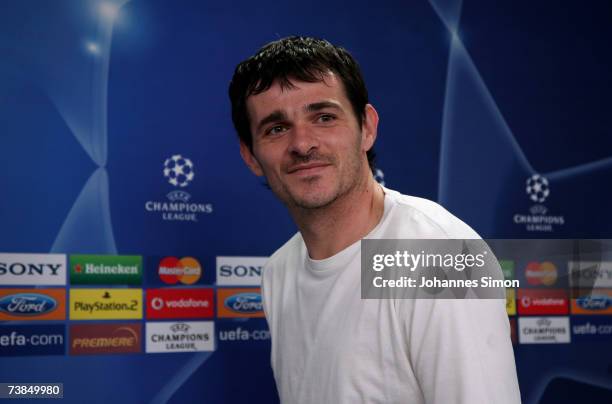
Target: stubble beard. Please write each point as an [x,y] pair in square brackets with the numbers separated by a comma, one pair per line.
[313,200]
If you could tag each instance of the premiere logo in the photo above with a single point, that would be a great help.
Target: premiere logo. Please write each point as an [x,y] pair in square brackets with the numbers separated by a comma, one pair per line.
[513,334]
[185,270]
[541,273]
[96,339]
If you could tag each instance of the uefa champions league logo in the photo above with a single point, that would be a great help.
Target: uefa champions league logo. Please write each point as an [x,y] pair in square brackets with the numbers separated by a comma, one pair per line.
[538,219]
[178,170]
[537,188]
[179,205]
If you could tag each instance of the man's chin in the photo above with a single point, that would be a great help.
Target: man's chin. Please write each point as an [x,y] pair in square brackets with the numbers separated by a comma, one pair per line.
[312,201]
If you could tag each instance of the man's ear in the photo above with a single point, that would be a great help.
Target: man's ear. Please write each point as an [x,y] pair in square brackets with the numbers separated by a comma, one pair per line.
[369,127]
[250,160]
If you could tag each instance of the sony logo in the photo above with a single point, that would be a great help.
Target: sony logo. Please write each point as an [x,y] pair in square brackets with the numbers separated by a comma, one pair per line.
[18,268]
[240,270]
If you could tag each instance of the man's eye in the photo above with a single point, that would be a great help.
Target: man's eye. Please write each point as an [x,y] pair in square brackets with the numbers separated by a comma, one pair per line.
[275,130]
[326,118]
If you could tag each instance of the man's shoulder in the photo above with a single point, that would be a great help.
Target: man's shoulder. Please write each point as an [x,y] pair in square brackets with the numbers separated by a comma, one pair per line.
[428,218]
[284,256]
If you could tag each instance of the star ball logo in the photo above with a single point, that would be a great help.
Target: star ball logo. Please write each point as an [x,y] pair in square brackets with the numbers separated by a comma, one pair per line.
[179,172]
[185,270]
[537,189]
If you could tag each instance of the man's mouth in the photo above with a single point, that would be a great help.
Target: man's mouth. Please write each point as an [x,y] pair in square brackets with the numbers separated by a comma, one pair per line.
[307,168]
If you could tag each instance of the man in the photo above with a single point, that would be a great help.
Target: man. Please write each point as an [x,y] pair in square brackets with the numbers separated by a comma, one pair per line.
[300,107]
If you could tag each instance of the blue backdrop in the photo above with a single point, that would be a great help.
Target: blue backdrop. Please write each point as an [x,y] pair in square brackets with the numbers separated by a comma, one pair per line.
[475,97]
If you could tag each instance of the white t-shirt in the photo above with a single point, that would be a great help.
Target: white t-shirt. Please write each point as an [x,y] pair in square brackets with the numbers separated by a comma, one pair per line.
[331,347]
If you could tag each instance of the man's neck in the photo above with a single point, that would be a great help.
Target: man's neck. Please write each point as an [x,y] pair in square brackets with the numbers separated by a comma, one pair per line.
[329,230]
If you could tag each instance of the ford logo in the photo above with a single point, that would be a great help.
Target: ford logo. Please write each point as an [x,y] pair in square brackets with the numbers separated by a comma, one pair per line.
[245,303]
[597,302]
[27,304]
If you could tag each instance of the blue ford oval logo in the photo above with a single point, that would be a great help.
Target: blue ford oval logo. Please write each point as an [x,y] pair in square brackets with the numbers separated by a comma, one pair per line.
[244,303]
[597,302]
[27,304]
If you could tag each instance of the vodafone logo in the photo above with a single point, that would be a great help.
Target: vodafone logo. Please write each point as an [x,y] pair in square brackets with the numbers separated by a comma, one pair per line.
[526,301]
[541,273]
[157,303]
[185,270]
[180,303]
[543,301]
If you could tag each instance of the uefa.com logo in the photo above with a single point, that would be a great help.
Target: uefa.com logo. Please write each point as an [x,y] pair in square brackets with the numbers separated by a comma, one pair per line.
[537,188]
[179,172]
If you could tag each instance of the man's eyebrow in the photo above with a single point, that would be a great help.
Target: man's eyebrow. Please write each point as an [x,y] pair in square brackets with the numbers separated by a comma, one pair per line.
[317,106]
[275,116]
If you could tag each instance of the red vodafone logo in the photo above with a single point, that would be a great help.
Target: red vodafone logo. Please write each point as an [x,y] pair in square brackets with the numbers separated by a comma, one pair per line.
[180,303]
[185,270]
[543,301]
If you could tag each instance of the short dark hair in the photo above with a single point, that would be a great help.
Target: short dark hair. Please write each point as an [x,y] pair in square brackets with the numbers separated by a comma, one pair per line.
[295,58]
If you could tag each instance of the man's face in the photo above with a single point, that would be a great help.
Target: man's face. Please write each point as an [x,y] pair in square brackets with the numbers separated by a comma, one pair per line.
[307,142]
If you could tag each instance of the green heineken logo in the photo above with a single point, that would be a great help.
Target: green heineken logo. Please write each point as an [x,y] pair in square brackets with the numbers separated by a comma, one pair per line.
[106,269]
[507,267]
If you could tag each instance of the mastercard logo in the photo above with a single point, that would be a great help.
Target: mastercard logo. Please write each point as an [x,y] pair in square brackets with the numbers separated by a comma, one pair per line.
[541,273]
[185,270]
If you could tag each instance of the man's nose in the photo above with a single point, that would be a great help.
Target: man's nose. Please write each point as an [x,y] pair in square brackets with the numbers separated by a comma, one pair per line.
[303,140]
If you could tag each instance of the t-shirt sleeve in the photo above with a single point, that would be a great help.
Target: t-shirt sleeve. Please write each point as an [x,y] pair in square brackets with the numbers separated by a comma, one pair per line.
[460,350]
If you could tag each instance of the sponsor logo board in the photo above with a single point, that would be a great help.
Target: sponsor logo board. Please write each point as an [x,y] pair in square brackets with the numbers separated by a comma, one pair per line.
[88,339]
[188,336]
[513,336]
[590,274]
[543,301]
[105,304]
[32,269]
[597,301]
[186,270]
[28,340]
[544,330]
[541,273]
[592,328]
[106,269]
[511,302]
[243,332]
[236,303]
[507,267]
[32,304]
[180,303]
[240,271]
